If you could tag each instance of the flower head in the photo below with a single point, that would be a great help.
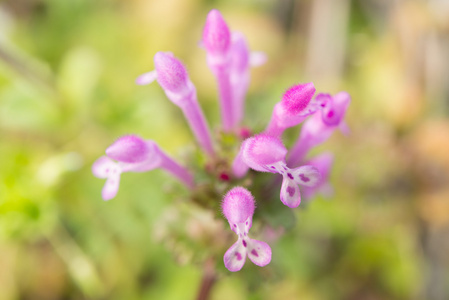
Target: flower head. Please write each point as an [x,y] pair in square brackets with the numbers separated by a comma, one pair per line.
[238,207]
[229,59]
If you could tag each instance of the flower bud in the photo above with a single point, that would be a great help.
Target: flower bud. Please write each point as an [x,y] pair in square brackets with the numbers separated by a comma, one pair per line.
[216,34]
[297,98]
[171,73]
[238,205]
[129,149]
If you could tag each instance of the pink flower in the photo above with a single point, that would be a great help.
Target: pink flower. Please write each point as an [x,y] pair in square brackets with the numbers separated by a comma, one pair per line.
[265,153]
[238,207]
[295,106]
[133,154]
[173,78]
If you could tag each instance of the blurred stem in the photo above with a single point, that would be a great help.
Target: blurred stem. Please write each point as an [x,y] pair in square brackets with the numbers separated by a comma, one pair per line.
[26,68]
[81,268]
[208,280]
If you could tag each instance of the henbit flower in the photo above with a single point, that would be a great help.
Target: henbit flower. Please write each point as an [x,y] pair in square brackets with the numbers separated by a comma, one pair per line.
[217,42]
[266,153]
[323,162]
[295,106]
[173,78]
[238,207]
[320,126]
[133,154]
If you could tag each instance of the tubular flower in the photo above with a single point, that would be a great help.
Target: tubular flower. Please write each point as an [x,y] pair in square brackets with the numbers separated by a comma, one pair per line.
[295,106]
[222,163]
[133,154]
[265,153]
[238,207]
[172,77]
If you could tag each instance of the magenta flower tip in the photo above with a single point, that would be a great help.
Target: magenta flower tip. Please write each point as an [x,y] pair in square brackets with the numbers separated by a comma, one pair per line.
[216,34]
[296,98]
[238,205]
[171,73]
[262,150]
[128,149]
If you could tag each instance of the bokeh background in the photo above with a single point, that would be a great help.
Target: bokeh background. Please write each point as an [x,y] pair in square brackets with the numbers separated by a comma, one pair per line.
[67,71]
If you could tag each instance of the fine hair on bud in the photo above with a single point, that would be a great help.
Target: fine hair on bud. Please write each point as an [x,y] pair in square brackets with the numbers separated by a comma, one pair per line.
[171,73]
[238,205]
[263,150]
[297,97]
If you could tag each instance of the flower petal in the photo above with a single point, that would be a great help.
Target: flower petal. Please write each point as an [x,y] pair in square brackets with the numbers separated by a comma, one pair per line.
[259,252]
[110,188]
[103,167]
[235,257]
[147,78]
[306,175]
[290,195]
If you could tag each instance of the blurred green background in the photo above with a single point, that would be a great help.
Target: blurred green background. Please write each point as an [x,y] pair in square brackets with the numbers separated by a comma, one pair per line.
[67,71]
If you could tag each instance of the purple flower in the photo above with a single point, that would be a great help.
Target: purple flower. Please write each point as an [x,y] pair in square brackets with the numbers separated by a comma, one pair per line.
[265,153]
[295,106]
[320,126]
[238,207]
[174,80]
[133,154]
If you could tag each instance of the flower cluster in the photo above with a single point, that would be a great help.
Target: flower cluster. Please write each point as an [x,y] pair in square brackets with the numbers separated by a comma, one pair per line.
[230,60]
